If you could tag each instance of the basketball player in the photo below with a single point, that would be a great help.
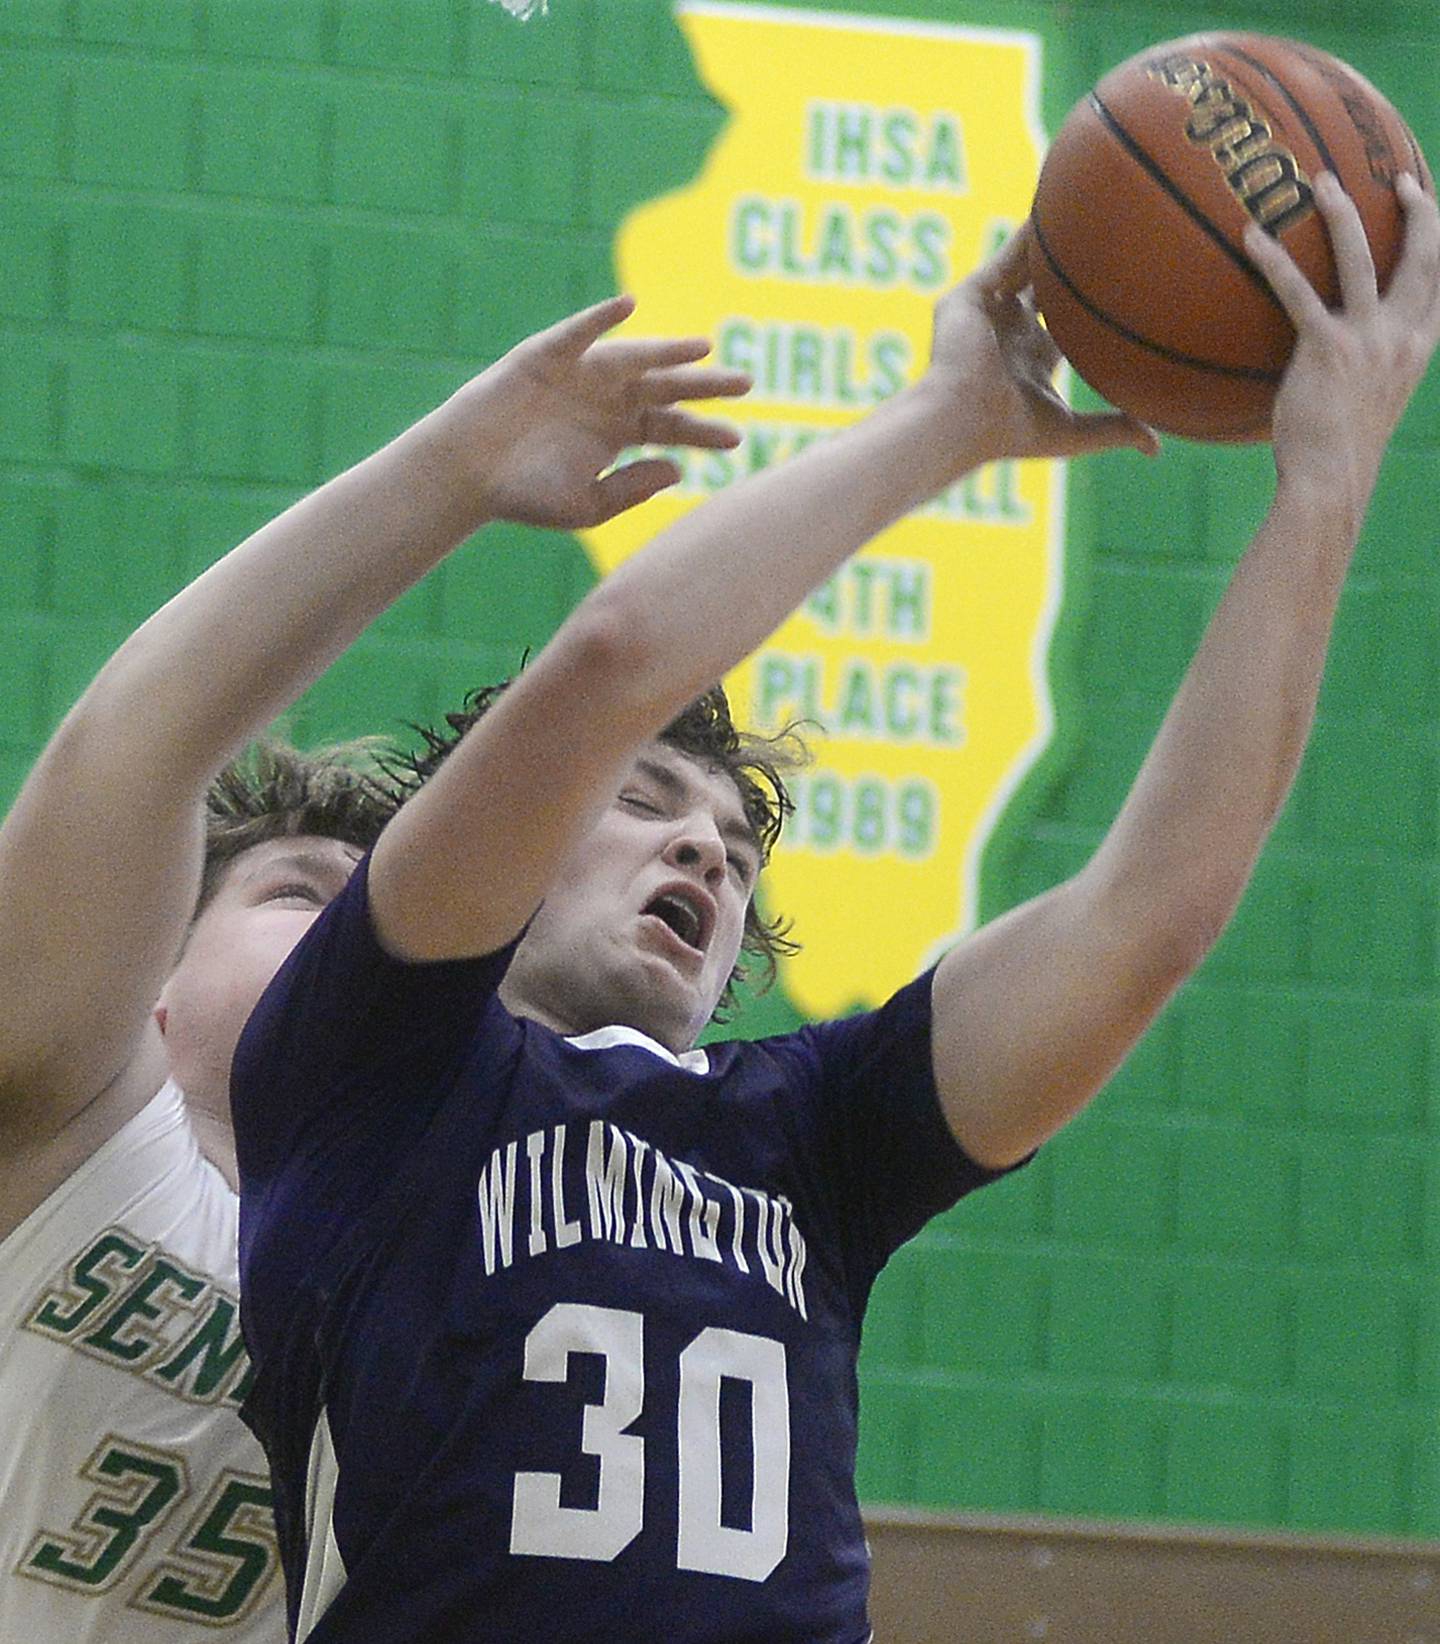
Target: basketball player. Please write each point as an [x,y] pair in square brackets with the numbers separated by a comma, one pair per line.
[133,1504]
[555,1317]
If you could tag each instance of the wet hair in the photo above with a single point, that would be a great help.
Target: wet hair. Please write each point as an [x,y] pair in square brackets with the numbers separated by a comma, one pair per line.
[272,791]
[757,765]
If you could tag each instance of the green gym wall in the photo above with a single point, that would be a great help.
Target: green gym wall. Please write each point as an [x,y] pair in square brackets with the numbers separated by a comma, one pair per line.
[242,242]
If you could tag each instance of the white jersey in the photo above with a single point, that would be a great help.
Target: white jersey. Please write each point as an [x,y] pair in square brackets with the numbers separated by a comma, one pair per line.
[134,1506]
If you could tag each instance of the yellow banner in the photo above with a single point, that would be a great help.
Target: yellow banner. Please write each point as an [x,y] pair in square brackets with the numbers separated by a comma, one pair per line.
[865,165]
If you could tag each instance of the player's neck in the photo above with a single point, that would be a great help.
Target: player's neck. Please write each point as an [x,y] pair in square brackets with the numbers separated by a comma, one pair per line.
[558,1011]
[568,1029]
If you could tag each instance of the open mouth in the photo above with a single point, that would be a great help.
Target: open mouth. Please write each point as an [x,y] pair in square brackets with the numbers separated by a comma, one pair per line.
[683,914]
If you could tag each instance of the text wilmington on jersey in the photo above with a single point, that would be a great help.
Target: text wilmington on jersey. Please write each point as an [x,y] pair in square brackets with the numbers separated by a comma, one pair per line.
[531,1204]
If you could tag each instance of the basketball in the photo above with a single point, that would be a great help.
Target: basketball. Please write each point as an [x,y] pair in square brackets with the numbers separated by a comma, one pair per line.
[1138,258]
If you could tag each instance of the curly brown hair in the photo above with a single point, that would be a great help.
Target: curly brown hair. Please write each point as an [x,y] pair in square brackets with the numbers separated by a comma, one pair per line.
[705,730]
[273,791]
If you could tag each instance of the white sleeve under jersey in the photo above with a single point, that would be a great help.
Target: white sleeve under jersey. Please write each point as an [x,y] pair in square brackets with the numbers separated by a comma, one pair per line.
[134,1506]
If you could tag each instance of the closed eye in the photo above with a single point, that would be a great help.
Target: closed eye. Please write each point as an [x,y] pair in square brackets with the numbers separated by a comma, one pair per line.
[297,892]
[638,802]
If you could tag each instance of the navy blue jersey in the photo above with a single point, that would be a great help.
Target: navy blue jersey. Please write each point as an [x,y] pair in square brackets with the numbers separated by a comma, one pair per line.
[556,1339]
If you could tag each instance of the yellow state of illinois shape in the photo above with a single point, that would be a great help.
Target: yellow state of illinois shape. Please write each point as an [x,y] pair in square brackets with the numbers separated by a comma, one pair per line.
[864,165]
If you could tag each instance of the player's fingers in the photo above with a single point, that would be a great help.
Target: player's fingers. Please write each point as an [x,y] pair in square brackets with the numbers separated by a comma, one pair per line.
[710,382]
[1041,349]
[1415,287]
[1008,271]
[635,354]
[670,426]
[1109,431]
[1297,296]
[576,332]
[1353,261]
[623,488]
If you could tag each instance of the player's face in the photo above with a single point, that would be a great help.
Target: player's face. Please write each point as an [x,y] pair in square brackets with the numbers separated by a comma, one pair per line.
[643,924]
[266,900]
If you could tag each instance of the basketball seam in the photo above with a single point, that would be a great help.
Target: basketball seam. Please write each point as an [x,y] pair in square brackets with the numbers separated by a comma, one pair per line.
[1247,373]
[1198,217]
[1312,131]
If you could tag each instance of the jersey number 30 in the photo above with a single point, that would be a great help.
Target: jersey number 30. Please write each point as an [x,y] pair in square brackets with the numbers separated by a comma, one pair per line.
[540,1525]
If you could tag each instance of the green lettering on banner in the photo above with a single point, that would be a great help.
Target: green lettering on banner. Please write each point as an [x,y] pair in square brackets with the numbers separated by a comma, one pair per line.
[902,703]
[792,262]
[884,237]
[903,688]
[870,162]
[814,365]
[785,688]
[851,144]
[989,496]
[844,387]
[870,815]
[899,134]
[823,606]
[856,705]
[946,163]
[805,363]
[874,596]
[882,248]
[837,242]
[945,727]
[815,138]
[909,616]
[748,250]
[931,266]
[858,143]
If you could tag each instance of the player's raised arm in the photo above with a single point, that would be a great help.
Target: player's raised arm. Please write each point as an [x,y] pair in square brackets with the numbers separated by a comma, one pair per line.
[1034,1012]
[100,856]
[677,616]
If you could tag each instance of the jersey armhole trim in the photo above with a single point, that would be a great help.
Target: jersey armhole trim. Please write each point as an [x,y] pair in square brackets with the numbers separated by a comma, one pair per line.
[325,1573]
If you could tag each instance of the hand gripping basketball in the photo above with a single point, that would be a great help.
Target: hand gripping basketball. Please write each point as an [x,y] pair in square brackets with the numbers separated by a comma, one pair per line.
[1139,255]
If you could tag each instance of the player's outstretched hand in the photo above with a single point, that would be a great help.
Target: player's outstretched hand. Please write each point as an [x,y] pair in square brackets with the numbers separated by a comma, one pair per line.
[999,364]
[541,427]
[1354,367]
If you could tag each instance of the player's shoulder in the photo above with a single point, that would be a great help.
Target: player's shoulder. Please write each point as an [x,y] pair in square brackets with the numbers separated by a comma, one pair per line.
[905,1012]
[148,1175]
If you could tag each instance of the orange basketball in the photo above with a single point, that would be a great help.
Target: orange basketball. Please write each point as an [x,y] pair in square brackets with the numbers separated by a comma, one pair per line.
[1138,256]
